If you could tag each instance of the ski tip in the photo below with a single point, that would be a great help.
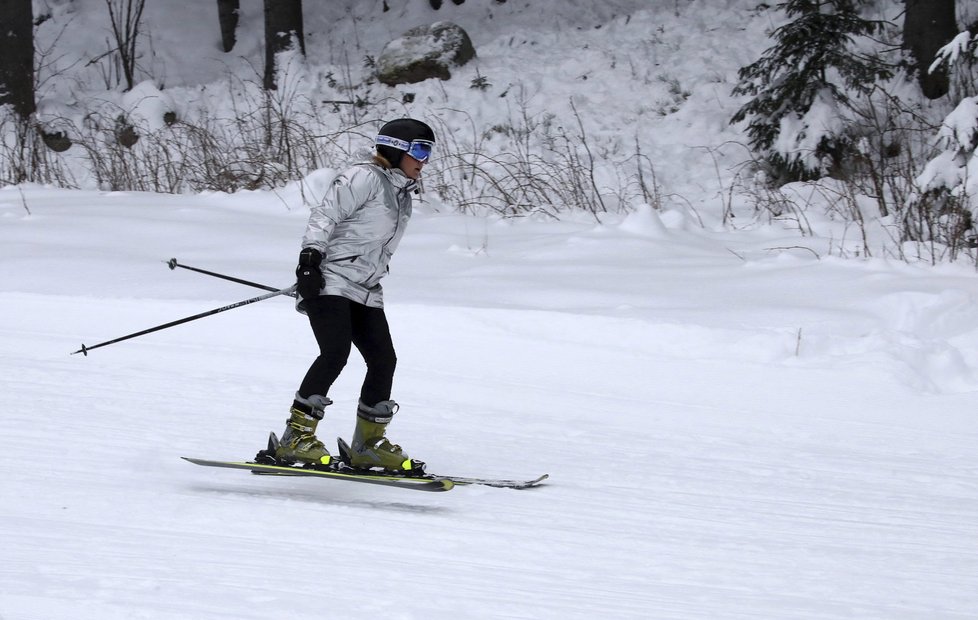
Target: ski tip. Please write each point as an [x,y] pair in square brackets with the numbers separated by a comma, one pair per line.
[532,484]
[529,484]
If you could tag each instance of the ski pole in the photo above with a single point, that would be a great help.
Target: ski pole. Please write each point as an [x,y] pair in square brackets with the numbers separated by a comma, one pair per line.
[173,264]
[285,291]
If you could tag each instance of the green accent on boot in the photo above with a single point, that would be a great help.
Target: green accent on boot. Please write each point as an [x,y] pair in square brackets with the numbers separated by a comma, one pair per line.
[299,442]
[370,448]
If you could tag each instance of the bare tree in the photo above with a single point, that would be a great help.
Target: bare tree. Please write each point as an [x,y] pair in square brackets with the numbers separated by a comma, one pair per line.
[283,29]
[927,26]
[17,56]
[125,16]
[227,14]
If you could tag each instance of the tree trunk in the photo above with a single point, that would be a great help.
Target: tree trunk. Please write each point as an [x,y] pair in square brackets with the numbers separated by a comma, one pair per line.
[227,14]
[928,25]
[17,56]
[283,25]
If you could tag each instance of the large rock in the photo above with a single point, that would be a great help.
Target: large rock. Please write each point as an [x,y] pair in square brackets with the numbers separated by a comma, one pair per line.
[424,52]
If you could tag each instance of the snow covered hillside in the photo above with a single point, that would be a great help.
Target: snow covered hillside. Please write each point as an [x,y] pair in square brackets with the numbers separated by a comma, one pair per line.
[730,432]
[736,423]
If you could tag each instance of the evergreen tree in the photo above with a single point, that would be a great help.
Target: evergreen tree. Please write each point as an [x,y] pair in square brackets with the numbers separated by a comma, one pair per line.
[801,83]
[945,206]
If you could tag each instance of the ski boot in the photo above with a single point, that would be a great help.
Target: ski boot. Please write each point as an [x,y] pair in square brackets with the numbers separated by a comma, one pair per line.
[299,443]
[371,449]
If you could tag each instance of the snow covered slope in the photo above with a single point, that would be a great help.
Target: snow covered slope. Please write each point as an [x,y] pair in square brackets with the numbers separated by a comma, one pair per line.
[730,432]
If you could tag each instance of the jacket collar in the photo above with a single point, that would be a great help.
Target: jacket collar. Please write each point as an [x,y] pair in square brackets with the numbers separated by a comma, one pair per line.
[399,180]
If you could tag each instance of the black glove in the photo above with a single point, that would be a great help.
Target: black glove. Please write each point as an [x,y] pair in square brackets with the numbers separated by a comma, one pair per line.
[308,275]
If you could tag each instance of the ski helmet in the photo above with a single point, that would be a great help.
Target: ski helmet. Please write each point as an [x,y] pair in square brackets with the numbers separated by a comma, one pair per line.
[399,136]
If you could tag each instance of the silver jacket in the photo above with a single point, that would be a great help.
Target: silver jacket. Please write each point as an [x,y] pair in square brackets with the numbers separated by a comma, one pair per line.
[357,227]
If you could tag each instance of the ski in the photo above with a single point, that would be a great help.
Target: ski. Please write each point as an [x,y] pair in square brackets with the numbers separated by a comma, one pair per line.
[345,457]
[493,482]
[266,464]
[499,483]
[416,483]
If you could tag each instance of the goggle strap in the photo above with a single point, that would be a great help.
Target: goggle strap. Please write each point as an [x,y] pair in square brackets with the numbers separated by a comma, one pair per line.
[397,143]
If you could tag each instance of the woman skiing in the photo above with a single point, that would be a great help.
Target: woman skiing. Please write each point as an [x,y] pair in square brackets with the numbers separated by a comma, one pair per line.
[347,245]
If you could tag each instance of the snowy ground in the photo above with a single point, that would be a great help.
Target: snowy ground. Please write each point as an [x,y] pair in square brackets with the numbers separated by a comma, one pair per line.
[737,424]
[706,461]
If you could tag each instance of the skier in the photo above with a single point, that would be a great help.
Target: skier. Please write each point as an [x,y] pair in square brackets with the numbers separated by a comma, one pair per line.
[347,245]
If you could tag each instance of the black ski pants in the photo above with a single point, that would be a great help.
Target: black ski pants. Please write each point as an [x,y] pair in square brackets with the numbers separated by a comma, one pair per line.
[339,323]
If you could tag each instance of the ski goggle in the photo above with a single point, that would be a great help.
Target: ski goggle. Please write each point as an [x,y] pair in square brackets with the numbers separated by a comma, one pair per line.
[418,149]
[421,149]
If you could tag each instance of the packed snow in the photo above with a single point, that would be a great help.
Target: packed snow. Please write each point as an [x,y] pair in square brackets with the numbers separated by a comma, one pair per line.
[738,420]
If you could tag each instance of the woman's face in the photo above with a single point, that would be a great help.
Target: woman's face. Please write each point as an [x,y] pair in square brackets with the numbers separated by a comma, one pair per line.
[411,166]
